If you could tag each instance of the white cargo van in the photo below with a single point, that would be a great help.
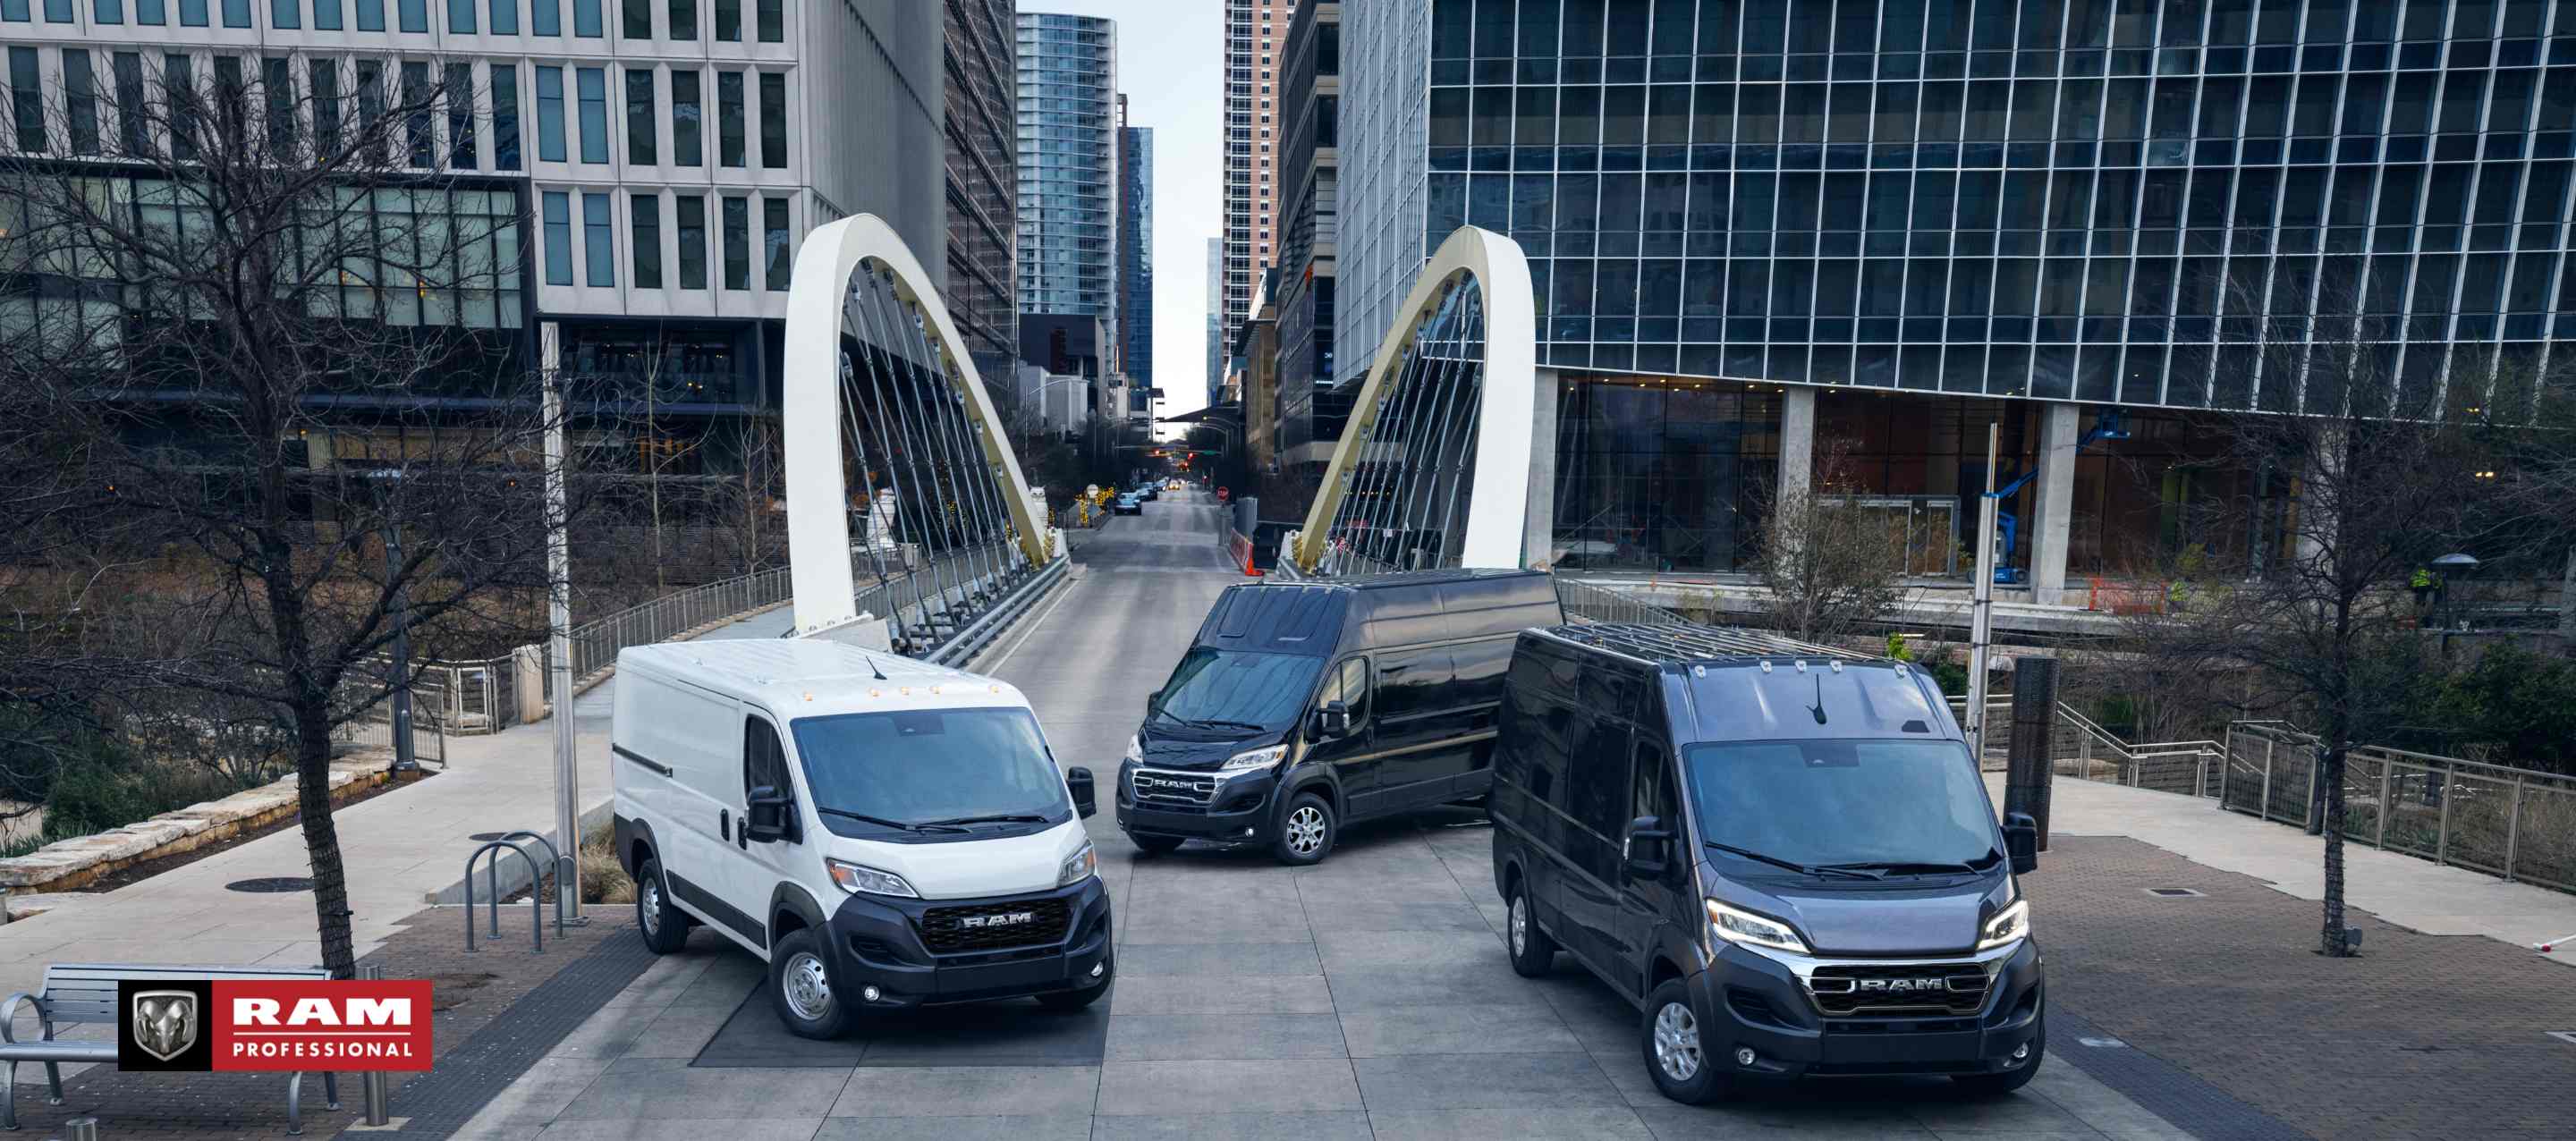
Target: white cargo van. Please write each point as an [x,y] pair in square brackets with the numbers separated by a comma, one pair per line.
[884,833]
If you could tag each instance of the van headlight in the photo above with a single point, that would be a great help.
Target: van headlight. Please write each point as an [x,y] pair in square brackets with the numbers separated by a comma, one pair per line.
[2010,925]
[1080,866]
[1135,754]
[1737,926]
[860,879]
[1254,758]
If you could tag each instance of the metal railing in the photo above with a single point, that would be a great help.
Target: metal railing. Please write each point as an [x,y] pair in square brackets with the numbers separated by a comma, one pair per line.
[2513,823]
[1592,602]
[2081,748]
[595,643]
[373,728]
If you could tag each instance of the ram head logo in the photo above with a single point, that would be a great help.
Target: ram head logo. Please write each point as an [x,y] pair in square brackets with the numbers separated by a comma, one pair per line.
[165,1022]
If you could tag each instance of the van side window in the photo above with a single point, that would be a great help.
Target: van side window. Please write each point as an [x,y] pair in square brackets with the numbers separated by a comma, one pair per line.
[764,760]
[1597,774]
[1409,682]
[1652,788]
[1348,684]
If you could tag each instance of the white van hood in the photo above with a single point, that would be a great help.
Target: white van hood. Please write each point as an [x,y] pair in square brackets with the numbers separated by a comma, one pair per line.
[971,868]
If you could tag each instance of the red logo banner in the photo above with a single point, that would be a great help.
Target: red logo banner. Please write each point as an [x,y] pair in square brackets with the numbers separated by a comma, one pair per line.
[338,1025]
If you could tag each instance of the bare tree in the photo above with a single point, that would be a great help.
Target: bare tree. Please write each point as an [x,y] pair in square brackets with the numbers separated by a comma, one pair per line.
[274,352]
[1827,566]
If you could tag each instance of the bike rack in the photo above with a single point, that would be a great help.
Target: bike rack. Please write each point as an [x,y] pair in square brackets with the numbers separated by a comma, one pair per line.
[536,882]
[554,860]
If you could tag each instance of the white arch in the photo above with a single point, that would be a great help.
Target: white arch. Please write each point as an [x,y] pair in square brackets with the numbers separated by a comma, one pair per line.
[1498,506]
[818,516]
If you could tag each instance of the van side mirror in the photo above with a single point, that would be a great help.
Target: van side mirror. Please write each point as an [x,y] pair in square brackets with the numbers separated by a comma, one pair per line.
[1333,720]
[2021,841]
[1152,701]
[766,820]
[1078,782]
[1646,849]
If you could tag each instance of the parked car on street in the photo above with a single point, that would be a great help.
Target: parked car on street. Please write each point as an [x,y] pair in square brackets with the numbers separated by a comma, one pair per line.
[885,834]
[1302,707]
[1783,855]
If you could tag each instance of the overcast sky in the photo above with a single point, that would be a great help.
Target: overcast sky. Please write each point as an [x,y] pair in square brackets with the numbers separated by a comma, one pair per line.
[1171,65]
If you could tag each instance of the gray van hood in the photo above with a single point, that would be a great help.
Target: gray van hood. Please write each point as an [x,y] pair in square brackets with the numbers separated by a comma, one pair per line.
[1932,921]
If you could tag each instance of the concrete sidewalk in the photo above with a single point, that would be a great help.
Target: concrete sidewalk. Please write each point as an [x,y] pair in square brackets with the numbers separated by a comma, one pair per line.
[398,848]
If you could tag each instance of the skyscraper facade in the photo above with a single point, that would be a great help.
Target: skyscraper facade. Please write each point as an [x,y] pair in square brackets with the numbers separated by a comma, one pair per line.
[1255,33]
[1310,412]
[1136,252]
[1757,224]
[1068,166]
[1216,344]
[981,116]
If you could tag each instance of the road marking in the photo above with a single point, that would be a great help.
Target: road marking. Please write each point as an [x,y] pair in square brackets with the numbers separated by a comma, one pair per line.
[1035,621]
[2567,1036]
[2103,1043]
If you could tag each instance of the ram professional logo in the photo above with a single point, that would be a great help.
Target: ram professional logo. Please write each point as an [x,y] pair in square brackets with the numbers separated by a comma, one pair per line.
[1005,919]
[1176,784]
[165,1022]
[1903,986]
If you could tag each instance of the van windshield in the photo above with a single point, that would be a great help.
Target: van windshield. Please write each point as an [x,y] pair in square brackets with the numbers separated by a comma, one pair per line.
[886,775]
[1236,690]
[1895,806]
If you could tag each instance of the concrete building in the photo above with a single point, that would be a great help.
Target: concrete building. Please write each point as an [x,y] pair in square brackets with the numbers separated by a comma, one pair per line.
[1311,412]
[1255,380]
[1068,167]
[1256,31]
[981,73]
[1762,230]
[1136,250]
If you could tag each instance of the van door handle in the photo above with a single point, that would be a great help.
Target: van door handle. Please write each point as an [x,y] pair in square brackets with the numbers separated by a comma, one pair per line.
[724,824]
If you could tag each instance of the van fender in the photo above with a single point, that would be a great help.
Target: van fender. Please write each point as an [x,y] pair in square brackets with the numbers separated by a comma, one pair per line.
[1299,782]
[627,832]
[1671,944]
[790,898]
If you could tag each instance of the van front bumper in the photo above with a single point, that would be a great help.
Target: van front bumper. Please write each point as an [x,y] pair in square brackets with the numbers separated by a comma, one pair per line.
[1236,809]
[913,952]
[1752,999]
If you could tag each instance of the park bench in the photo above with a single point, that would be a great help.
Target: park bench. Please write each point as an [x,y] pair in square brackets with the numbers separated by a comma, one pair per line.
[85,994]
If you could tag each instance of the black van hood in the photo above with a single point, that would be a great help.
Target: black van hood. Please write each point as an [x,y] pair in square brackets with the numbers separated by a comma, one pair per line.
[1939,919]
[1164,749]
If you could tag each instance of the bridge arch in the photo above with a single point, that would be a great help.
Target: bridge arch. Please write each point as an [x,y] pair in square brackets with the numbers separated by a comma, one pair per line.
[1409,454]
[860,263]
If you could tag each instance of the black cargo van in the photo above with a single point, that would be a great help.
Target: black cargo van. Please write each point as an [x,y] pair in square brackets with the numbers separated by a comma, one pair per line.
[1782,854]
[1301,707]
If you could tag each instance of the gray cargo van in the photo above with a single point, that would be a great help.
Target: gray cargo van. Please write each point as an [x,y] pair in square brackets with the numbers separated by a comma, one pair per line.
[1301,707]
[1783,855]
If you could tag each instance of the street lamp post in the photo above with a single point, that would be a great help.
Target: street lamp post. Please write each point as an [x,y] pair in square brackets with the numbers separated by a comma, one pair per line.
[559,639]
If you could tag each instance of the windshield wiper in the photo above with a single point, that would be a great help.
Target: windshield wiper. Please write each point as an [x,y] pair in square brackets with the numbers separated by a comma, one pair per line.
[1893,867]
[1792,865]
[1208,722]
[882,822]
[995,818]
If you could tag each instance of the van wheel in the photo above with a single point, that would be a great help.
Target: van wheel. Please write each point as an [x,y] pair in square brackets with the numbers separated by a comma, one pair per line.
[1155,845]
[1533,951]
[1306,834]
[1684,1066]
[1072,1000]
[664,928]
[800,988]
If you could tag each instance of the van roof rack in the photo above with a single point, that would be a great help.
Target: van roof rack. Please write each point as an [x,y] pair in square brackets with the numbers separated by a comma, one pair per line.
[1671,642]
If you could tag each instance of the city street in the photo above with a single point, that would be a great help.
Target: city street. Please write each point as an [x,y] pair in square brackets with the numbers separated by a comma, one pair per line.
[1367,996]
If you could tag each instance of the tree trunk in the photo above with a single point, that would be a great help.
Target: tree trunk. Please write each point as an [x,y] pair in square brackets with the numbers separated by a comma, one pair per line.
[2333,942]
[322,838]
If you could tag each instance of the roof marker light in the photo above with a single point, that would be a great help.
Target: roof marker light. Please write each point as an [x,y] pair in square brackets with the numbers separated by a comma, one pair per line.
[1766,665]
[1835,666]
[1802,665]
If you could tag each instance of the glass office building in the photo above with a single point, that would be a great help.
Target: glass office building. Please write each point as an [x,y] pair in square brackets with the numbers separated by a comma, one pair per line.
[1136,253]
[2123,203]
[1068,162]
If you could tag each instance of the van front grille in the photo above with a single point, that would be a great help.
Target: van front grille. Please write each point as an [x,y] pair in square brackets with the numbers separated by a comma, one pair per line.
[1898,988]
[991,926]
[1167,788]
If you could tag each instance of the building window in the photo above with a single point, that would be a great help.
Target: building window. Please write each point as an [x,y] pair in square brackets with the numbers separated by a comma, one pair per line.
[773,222]
[27,99]
[558,221]
[110,12]
[129,93]
[773,120]
[684,19]
[638,19]
[687,107]
[461,152]
[236,12]
[420,131]
[326,15]
[644,215]
[585,19]
[325,77]
[545,17]
[505,17]
[371,102]
[773,21]
[153,12]
[550,114]
[737,243]
[80,102]
[460,16]
[729,118]
[371,14]
[692,222]
[413,13]
[192,14]
[729,21]
[505,116]
[594,113]
[640,124]
[597,248]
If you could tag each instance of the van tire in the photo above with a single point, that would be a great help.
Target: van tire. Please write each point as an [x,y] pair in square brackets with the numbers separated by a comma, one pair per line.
[1533,951]
[1156,845]
[1685,1067]
[664,928]
[1307,832]
[798,967]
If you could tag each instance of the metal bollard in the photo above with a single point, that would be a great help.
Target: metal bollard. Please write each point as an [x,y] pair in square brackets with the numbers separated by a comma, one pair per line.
[378,1096]
[81,1129]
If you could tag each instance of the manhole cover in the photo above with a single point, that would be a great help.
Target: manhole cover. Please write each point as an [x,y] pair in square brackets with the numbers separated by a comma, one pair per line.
[2173,892]
[267,884]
